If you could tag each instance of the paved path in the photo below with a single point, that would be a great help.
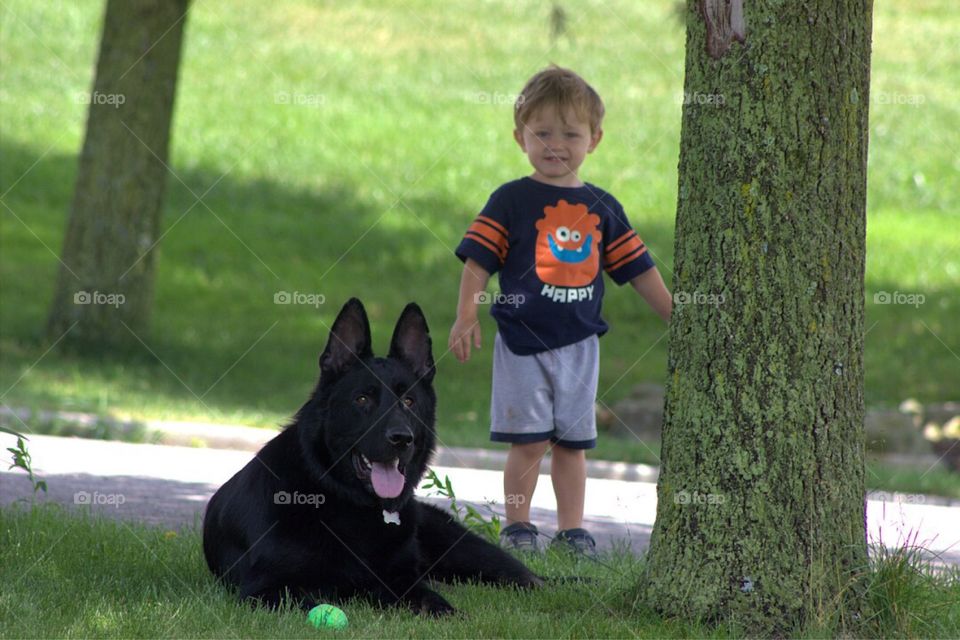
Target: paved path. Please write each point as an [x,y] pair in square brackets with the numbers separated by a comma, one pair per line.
[169,486]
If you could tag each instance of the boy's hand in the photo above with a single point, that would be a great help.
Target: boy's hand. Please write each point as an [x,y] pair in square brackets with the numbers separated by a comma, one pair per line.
[650,285]
[465,331]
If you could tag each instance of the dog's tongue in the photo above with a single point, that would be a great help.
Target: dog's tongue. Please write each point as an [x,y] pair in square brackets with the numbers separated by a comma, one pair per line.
[387,479]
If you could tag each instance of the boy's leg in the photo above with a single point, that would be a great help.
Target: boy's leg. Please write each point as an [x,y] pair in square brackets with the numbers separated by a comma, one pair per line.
[575,375]
[568,470]
[520,479]
[521,412]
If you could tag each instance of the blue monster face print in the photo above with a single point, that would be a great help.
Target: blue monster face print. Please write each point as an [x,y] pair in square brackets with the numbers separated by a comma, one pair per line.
[571,256]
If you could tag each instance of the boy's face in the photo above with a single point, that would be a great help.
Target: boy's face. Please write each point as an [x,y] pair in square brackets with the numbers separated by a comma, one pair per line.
[555,146]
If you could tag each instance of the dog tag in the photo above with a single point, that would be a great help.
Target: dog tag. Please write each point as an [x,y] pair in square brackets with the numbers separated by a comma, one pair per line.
[391,517]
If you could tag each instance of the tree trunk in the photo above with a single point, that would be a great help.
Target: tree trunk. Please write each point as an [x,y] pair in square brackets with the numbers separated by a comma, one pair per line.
[107,264]
[761,512]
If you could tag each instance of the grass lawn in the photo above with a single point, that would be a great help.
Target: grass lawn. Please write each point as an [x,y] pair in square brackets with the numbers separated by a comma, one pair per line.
[83,577]
[936,480]
[342,150]
[65,575]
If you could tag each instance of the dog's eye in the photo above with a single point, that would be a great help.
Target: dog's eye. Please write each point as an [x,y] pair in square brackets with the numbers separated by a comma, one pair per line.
[362,400]
[408,401]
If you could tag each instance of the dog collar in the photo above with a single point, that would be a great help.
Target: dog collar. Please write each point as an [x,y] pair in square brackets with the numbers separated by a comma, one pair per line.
[391,517]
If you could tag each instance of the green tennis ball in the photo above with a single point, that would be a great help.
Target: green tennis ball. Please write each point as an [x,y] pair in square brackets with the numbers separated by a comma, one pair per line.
[327,615]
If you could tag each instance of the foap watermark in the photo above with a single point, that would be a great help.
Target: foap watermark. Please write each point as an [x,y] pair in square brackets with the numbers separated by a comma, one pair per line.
[296,498]
[97,297]
[96,498]
[502,299]
[697,297]
[300,99]
[516,498]
[899,297]
[299,297]
[494,98]
[110,99]
[701,99]
[902,498]
[697,498]
[896,98]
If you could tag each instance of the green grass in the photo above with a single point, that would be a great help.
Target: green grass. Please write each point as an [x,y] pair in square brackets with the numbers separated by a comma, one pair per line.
[907,598]
[366,192]
[74,575]
[936,480]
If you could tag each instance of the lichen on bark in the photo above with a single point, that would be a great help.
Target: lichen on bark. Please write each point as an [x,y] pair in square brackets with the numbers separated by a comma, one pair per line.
[761,512]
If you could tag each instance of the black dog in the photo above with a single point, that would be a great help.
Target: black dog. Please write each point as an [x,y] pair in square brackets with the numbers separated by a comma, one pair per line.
[325,510]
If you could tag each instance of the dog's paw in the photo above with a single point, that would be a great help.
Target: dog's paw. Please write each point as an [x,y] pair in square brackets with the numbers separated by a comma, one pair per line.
[527,581]
[433,604]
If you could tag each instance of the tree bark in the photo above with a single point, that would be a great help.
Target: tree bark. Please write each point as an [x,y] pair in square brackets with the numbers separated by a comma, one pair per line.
[761,512]
[108,262]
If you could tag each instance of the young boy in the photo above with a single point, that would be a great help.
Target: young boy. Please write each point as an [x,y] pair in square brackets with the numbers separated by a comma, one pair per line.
[548,235]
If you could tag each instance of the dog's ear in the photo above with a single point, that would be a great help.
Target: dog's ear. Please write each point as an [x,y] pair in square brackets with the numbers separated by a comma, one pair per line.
[349,339]
[411,342]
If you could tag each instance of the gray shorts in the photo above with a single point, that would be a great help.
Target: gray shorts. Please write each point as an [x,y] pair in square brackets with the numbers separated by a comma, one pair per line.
[546,396]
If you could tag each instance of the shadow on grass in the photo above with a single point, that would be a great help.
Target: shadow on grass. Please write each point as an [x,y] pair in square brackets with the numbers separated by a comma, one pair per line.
[218,340]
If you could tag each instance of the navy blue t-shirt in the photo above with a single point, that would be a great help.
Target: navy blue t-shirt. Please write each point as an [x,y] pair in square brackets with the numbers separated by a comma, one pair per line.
[548,244]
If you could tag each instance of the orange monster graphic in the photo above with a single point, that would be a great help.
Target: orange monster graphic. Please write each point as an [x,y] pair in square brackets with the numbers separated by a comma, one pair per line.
[568,245]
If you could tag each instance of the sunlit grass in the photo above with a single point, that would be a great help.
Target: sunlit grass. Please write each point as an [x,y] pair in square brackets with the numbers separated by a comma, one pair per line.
[346,148]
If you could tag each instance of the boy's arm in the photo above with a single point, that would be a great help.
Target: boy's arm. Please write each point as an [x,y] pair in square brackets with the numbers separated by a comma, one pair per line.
[650,285]
[466,328]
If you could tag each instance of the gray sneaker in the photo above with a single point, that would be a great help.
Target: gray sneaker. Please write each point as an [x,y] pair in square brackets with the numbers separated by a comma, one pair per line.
[520,536]
[575,540]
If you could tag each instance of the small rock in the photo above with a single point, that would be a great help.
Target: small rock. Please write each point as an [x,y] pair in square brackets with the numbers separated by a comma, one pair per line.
[914,408]
[952,428]
[943,433]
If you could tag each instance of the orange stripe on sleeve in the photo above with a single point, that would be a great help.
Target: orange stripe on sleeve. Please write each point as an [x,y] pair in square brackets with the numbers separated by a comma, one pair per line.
[497,242]
[624,237]
[486,243]
[639,251]
[493,223]
[625,248]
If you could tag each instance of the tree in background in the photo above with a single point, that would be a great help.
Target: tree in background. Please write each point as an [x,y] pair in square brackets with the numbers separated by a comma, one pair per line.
[107,264]
[761,512]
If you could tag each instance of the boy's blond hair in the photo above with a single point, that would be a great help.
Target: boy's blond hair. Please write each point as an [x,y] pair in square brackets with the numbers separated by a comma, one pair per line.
[563,89]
